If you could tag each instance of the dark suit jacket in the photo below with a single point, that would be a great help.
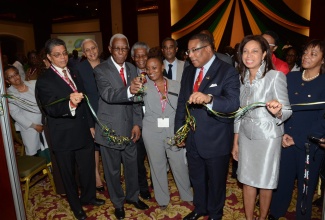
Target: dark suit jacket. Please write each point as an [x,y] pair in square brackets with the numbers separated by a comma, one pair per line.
[213,136]
[86,73]
[67,132]
[115,110]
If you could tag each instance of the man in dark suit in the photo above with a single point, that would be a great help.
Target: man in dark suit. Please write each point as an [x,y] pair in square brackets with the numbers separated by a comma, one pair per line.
[214,83]
[70,126]
[117,111]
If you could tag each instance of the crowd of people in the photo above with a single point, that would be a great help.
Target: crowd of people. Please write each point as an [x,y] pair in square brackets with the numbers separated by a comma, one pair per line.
[147,99]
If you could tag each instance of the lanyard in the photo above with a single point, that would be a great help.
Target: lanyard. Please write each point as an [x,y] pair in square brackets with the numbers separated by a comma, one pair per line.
[163,98]
[306,179]
[72,86]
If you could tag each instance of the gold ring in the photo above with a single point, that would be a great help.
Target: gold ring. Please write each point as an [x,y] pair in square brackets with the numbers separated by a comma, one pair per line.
[76,99]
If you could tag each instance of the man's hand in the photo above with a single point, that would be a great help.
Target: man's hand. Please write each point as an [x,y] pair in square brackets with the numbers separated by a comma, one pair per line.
[181,144]
[199,98]
[234,151]
[38,128]
[287,141]
[76,98]
[92,131]
[136,85]
[135,133]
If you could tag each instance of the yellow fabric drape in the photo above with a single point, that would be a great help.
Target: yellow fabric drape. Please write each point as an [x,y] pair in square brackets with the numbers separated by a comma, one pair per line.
[285,23]
[254,27]
[180,33]
[219,30]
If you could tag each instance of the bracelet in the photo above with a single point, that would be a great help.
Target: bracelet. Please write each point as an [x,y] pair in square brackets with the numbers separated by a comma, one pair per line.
[279,114]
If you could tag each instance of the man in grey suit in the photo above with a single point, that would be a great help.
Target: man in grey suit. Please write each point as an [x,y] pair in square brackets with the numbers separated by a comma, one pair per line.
[117,83]
[173,67]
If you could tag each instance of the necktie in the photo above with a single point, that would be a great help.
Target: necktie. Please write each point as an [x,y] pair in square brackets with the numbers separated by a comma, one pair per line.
[198,80]
[169,73]
[122,76]
[66,77]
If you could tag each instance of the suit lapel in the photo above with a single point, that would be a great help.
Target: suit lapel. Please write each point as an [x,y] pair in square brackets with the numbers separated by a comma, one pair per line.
[115,74]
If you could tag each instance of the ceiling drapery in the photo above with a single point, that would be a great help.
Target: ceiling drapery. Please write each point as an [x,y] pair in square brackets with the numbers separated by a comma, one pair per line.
[230,20]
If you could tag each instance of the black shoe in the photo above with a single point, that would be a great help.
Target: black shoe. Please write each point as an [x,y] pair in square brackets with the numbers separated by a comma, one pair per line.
[95,202]
[318,202]
[145,195]
[119,213]
[139,204]
[100,188]
[271,217]
[80,215]
[193,216]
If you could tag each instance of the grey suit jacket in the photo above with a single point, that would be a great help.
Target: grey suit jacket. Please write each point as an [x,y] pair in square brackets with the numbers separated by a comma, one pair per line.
[115,109]
[153,106]
[258,123]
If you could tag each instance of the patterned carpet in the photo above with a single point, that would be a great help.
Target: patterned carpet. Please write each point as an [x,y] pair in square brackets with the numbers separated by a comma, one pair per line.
[45,204]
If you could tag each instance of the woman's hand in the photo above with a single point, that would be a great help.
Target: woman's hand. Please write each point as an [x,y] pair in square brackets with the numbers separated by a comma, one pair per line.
[275,107]
[287,141]
[38,128]
[234,151]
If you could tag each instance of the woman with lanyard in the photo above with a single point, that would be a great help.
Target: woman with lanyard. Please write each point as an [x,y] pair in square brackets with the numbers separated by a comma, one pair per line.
[160,102]
[301,158]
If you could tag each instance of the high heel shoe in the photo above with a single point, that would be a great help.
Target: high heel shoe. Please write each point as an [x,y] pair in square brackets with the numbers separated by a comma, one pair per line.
[100,188]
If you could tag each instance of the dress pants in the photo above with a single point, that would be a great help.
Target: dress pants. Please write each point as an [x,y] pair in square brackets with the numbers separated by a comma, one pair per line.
[84,160]
[142,172]
[112,159]
[208,178]
[292,167]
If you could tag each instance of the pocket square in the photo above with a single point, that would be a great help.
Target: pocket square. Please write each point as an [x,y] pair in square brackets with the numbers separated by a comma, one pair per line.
[213,85]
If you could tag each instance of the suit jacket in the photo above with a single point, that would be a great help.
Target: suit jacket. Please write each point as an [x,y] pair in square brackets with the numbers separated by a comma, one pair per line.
[213,136]
[67,132]
[115,109]
[153,106]
[180,68]
[259,123]
[86,73]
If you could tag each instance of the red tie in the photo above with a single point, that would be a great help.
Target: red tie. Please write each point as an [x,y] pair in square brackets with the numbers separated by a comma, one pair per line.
[198,80]
[68,79]
[122,76]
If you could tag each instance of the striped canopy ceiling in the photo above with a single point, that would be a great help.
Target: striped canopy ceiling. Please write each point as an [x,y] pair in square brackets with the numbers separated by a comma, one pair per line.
[231,20]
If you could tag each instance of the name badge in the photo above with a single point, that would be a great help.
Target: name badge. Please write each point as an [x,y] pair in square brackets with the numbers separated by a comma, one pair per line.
[163,122]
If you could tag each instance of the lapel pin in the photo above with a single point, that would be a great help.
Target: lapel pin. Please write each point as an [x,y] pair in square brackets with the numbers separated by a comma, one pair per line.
[208,77]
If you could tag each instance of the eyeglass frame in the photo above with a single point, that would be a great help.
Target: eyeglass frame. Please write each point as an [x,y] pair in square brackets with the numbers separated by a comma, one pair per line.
[117,49]
[58,55]
[194,50]
[13,76]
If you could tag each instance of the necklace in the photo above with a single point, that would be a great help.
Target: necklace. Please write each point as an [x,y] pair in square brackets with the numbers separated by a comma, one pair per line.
[310,78]
[22,90]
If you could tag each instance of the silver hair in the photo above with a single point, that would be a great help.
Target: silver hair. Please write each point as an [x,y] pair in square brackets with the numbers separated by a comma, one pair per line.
[87,40]
[118,36]
[138,45]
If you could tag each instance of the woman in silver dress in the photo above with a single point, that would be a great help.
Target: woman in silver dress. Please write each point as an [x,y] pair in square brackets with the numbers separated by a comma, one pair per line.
[258,133]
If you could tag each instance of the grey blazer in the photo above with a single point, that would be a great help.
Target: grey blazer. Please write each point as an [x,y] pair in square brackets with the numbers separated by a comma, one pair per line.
[153,106]
[258,123]
[115,109]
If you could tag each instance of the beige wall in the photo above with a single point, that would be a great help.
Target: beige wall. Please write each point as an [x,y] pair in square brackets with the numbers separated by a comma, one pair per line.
[148,29]
[76,27]
[23,31]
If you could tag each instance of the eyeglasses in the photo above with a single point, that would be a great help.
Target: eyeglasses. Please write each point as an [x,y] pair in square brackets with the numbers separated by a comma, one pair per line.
[116,49]
[272,45]
[63,54]
[194,50]
[12,76]
[88,50]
